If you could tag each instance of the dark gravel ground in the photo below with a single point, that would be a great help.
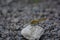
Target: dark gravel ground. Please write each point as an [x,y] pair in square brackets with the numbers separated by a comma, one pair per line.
[14,14]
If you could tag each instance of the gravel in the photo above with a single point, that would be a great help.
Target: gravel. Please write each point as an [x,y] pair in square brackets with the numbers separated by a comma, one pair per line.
[14,14]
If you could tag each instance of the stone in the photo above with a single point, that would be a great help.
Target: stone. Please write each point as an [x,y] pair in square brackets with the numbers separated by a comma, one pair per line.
[19,33]
[8,38]
[59,33]
[1,38]
[32,32]
[15,20]
[8,1]
[4,11]
[17,27]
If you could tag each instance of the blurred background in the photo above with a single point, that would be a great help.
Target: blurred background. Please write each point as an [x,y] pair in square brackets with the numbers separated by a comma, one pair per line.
[14,14]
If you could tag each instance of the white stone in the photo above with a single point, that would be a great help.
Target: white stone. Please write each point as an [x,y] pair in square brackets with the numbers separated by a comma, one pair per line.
[15,20]
[32,32]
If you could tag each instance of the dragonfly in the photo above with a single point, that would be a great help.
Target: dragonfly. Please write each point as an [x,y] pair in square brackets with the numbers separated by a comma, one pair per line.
[36,21]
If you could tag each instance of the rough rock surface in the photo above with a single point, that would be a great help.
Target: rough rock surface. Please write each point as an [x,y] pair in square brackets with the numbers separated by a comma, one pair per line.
[10,11]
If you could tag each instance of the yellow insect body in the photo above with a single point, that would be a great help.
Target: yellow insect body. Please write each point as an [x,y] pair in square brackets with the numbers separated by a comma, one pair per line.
[37,21]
